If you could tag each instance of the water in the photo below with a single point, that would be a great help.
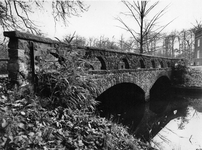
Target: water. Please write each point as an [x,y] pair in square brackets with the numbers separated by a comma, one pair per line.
[184,131]
[171,120]
[167,122]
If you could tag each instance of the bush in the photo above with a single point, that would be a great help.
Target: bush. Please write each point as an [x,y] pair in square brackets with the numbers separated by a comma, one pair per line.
[69,85]
[193,78]
[59,89]
[178,72]
[186,76]
[29,126]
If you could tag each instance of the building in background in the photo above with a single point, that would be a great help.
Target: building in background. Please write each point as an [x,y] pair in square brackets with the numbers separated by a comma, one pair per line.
[198,48]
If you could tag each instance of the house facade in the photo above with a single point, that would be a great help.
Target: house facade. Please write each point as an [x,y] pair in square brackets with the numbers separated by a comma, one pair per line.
[198,48]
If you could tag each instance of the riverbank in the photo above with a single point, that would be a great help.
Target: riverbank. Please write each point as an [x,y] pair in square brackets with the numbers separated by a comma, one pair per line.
[186,89]
[192,80]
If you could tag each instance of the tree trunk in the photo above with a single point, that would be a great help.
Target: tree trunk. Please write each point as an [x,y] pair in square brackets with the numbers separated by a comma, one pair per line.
[141,33]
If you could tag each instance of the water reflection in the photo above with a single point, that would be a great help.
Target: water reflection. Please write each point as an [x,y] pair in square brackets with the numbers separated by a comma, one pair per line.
[156,118]
[183,131]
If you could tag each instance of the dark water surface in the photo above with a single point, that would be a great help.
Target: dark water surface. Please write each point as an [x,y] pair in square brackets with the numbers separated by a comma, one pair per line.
[169,122]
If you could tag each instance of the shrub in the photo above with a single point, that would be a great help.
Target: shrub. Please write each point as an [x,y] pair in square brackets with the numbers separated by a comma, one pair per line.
[178,72]
[186,76]
[29,126]
[193,78]
[69,85]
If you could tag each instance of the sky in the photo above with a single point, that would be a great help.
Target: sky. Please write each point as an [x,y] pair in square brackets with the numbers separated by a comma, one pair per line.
[100,20]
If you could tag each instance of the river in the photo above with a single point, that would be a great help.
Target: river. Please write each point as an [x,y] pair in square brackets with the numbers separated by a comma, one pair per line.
[184,130]
[168,122]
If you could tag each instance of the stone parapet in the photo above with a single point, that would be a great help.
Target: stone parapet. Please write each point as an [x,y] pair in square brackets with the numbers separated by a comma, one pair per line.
[29,54]
[28,37]
[25,51]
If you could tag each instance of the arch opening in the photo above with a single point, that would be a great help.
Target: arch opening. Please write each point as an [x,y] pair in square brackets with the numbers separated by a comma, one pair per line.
[91,67]
[159,94]
[126,63]
[168,64]
[161,64]
[123,103]
[123,64]
[142,65]
[153,64]
[103,64]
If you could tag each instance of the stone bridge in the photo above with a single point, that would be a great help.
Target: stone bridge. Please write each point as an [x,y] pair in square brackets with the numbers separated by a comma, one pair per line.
[109,67]
[112,67]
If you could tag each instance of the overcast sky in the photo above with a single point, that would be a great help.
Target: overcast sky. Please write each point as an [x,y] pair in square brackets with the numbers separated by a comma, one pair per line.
[100,20]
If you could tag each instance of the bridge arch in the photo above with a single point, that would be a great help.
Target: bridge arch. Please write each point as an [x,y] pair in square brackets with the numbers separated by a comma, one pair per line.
[123,64]
[168,64]
[164,75]
[103,63]
[120,103]
[96,63]
[162,79]
[153,63]
[161,64]
[127,66]
[142,63]
[165,64]
[159,93]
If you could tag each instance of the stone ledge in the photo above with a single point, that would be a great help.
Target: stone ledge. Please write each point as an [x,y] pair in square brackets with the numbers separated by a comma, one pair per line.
[125,52]
[126,70]
[27,36]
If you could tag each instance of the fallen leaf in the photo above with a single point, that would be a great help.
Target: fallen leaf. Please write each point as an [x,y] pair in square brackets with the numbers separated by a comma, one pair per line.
[4,123]
[21,125]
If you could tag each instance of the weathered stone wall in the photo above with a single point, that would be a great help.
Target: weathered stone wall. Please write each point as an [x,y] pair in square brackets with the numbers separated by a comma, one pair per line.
[29,54]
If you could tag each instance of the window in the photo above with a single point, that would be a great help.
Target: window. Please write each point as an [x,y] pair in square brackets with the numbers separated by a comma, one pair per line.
[198,54]
[198,42]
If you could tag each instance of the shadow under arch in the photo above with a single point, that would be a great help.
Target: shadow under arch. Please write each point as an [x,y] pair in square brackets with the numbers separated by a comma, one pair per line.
[123,103]
[159,94]
[153,64]
[168,64]
[103,64]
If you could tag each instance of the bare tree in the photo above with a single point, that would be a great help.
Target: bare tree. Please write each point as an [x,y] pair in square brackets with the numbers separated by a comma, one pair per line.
[148,29]
[15,14]
[197,26]
[187,44]
[179,44]
[127,44]
[104,42]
